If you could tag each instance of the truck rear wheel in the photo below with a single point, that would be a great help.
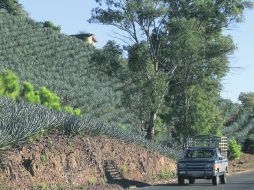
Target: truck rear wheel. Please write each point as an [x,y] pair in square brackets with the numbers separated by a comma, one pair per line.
[223,178]
[191,181]
[215,180]
[180,180]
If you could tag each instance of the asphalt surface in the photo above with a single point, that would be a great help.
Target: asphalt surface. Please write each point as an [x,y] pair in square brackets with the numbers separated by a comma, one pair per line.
[244,181]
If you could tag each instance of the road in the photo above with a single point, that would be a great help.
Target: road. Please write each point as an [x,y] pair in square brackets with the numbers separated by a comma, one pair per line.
[244,181]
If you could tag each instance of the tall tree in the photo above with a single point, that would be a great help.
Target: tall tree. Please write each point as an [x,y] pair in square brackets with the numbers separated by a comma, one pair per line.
[172,43]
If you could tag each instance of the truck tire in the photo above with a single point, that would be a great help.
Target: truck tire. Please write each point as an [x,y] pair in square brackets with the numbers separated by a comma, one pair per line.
[180,180]
[223,178]
[191,181]
[215,180]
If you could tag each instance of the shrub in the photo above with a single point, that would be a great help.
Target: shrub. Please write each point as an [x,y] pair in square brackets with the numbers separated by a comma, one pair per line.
[49,99]
[49,24]
[43,158]
[234,150]
[70,109]
[29,94]
[9,84]
[123,169]
[166,174]
[249,144]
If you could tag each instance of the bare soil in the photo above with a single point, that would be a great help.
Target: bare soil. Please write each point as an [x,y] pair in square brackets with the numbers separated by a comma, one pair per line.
[245,163]
[82,162]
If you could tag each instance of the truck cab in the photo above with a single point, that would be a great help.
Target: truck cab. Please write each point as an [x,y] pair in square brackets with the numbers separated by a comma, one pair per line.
[203,162]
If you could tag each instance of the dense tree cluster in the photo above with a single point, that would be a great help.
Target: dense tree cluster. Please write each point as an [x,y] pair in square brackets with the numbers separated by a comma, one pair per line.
[177,56]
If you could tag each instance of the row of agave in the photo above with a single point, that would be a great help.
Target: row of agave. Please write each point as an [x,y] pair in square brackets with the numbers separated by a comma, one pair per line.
[241,126]
[19,121]
[62,64]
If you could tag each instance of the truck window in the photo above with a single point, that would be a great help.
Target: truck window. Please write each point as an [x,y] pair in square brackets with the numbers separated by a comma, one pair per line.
[199,154]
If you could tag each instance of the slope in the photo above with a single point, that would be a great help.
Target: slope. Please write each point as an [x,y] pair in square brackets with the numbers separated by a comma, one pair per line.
[61,63]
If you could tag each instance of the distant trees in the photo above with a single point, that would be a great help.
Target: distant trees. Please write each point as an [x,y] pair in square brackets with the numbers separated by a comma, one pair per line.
[13,7]
[177,55]
[247,99]
[49,24]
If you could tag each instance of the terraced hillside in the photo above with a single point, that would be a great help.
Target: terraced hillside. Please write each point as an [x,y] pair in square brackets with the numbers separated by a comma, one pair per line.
[62,64]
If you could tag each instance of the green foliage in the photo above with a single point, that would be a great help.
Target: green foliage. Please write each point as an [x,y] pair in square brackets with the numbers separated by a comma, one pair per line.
[234,151]
[166,174]
[70,109]
[9,84]
[122,127]
[20,120]
[29,94]
[109,59]
[43,158]
[123,169]
[239,124]
[92,181]
[247,99]
[175,46]
[43,186]
[159,126]
[49,99]
[197,112]
[49,24]
[249,144]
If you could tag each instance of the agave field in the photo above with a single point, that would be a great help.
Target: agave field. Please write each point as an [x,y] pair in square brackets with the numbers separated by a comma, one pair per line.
[239,124]
[62,64]
[19,121]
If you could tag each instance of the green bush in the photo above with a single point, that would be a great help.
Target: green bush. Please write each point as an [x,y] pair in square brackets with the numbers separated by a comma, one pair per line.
[49,24]
[70,109]
[234,150]
[9,84]
[166,174]
[29,94]
[9,87]
[249,144]
[49,99]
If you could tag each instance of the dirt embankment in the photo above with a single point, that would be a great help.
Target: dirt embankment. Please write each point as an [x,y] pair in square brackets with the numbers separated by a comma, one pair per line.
[245,163]
[81,161]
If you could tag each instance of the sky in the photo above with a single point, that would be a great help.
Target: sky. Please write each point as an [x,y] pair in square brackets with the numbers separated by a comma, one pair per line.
[72,16]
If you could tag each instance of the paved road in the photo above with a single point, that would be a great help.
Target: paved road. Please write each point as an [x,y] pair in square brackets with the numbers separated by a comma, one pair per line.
[244,181]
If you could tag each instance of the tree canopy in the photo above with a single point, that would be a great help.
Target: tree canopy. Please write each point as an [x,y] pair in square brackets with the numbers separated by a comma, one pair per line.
[176,51]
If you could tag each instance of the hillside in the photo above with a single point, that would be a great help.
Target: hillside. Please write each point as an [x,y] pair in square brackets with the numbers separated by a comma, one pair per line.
[82,160]
[62,64]
[42,147]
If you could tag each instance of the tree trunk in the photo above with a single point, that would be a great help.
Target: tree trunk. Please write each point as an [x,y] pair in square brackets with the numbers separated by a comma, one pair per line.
[151,125]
